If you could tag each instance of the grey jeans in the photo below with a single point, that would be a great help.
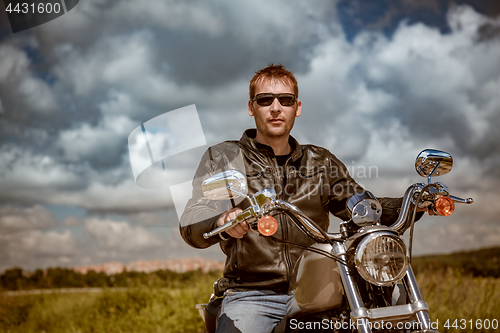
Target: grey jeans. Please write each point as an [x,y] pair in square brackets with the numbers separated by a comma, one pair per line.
[251,311]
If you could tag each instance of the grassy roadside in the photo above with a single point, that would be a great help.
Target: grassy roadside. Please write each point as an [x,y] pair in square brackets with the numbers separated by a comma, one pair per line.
[152,308]
[155,308]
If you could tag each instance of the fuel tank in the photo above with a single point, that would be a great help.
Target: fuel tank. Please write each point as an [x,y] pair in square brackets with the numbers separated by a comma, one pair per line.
[315,284]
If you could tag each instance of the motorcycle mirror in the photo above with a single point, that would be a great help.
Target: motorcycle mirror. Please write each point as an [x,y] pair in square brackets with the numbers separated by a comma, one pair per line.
[432,162]
[225,185]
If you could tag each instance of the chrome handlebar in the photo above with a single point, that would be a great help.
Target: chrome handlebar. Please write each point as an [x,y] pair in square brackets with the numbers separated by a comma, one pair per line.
[253,213]
[304,222]
[402,223]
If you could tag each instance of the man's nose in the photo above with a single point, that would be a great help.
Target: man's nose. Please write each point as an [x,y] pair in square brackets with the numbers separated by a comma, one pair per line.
[275,105]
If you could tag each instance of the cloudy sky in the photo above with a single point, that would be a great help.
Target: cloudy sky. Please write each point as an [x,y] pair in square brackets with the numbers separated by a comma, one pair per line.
[379,82]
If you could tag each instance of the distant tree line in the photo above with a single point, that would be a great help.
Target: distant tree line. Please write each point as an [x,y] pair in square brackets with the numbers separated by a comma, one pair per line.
[17,279]
[485,262]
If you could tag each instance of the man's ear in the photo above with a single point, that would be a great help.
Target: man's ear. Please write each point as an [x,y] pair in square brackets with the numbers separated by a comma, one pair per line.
[299,108]
[250,108]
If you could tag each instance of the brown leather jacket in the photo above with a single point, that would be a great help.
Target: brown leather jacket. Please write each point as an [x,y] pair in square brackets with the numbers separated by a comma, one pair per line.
[313,179]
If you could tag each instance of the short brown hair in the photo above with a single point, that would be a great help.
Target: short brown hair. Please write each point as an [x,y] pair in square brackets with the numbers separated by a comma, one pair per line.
[274,72]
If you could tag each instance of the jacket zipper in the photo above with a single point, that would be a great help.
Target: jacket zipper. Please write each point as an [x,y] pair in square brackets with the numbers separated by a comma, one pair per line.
[284,224]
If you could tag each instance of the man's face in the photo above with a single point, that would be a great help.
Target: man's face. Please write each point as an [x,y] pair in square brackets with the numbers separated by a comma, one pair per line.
[274,121]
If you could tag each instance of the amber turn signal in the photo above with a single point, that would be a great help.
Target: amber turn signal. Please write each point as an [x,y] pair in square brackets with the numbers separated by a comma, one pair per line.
[445,206]
[267,225]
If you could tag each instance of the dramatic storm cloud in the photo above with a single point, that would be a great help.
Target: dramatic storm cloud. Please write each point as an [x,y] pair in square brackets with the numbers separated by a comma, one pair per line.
[378,85]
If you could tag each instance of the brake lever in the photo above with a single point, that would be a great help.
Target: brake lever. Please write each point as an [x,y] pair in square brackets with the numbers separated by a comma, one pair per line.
[460,200]
[244,216]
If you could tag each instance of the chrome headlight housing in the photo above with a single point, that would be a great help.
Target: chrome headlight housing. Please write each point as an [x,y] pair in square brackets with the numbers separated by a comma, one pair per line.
[381,258]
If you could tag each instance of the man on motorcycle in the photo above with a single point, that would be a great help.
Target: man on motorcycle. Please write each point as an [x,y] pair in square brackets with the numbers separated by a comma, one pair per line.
[258,269]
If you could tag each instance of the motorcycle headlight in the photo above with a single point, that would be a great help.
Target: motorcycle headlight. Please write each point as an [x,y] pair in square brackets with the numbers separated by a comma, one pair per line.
[381,258]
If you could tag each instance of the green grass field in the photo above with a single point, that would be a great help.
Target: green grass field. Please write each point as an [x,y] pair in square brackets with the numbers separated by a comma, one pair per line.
[165,302]
[472,301]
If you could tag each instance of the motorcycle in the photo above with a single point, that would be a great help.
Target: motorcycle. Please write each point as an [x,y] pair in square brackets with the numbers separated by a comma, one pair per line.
[345,281]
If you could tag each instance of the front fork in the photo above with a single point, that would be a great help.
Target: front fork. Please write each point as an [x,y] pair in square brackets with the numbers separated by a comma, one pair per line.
[416,309]
[415,297]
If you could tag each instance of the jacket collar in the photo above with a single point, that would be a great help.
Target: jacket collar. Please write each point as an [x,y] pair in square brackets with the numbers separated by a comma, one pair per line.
[248,140]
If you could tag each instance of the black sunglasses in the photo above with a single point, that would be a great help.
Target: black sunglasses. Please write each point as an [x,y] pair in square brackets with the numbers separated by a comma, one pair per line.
[268,99]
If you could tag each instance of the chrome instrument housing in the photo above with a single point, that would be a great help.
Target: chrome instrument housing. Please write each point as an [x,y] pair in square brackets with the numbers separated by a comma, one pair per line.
[364,208]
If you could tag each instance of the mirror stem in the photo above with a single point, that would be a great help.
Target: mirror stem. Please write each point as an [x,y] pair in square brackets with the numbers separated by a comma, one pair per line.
[242,194]
[432,173]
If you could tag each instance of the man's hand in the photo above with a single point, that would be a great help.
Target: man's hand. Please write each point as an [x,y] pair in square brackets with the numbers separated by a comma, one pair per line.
[426,209]
[237,231]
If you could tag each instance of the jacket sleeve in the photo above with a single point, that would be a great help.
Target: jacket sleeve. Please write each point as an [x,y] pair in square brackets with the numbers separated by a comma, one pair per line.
[343,187]
[201,214]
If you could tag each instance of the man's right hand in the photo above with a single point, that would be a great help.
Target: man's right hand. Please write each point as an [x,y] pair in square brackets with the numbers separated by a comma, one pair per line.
[238,231]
